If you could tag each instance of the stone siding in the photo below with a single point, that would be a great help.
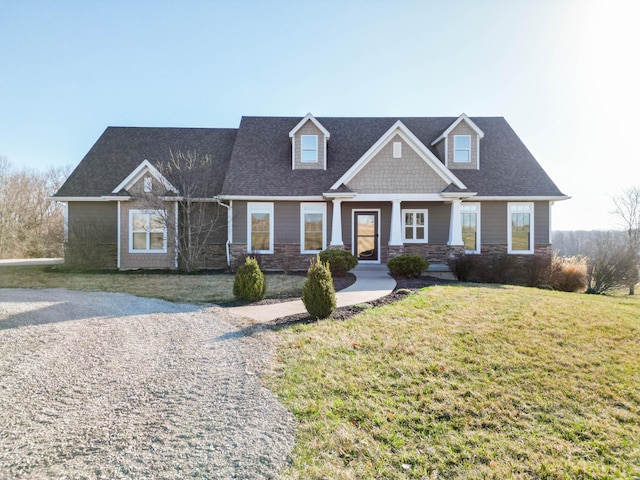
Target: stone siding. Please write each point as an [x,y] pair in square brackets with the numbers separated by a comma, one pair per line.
[285,257]
[385,174]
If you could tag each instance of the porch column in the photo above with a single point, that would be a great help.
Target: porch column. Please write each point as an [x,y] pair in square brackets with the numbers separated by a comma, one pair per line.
[336,224]
[455,224]
[395,235]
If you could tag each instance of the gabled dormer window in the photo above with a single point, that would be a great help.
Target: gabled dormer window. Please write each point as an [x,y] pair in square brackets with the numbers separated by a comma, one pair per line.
[462,148]
[309,148]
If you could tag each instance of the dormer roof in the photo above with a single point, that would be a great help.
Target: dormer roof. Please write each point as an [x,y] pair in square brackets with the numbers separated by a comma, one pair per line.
[144,169]
[462,118]
[308,117]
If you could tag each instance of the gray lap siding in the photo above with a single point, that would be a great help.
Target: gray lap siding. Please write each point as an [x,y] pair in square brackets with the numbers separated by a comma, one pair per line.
[92,234]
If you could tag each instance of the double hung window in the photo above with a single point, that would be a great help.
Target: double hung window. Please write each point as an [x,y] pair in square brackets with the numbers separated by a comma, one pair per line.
[312,227]
[147,231]
[520,228]
[462,148]
[260,227]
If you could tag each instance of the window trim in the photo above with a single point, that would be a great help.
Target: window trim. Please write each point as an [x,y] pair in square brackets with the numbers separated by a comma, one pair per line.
[403,213]
[314,207]
[532,237]
[147,185]
[457,149]
[303,150]
[163,215]
[260,207]
[477,206]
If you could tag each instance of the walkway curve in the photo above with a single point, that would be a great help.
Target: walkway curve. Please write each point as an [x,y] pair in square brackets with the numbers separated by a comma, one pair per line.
[372,282]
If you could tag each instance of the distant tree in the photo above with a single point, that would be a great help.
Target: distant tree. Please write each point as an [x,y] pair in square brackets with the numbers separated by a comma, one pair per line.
[199,218]
[30,226]
[610,264]
[627,209]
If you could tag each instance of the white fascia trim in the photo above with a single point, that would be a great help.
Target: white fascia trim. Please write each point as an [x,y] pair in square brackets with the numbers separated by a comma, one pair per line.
[137,174]
[523,199]
[460,195]
[306,118]
[400,129]
[196,199]
[462,117]
[262,198]
[104,198]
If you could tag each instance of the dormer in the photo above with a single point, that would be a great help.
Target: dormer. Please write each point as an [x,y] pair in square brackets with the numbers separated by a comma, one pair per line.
[309,145]
[459,144]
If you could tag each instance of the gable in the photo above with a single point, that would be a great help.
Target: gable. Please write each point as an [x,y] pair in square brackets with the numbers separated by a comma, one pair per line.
[136,180]
[407,174]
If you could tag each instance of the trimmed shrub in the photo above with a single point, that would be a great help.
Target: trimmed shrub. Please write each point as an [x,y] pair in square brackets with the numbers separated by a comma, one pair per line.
[318,293]
[409,264]
[249,283]
[568,274]
[340,261]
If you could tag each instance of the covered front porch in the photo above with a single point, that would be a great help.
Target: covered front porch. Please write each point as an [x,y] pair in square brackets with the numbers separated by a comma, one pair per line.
[376,229]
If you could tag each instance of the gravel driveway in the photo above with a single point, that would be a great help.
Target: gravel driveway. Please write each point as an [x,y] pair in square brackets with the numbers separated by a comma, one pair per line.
[104,385]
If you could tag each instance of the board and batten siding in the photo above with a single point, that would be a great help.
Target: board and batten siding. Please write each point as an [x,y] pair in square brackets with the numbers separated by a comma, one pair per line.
[438,218]
[286,221]
[98,219]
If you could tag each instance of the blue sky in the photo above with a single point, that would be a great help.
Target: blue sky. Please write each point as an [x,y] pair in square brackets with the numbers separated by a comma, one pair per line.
[563,73]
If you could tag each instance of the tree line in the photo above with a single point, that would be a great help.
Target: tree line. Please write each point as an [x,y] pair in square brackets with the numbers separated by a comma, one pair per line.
[30,225]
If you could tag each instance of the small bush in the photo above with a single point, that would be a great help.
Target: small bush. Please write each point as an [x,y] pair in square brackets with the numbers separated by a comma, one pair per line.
[340,261]
[249,283]
[464,267]
[568,274]
[409,264]
[318,293]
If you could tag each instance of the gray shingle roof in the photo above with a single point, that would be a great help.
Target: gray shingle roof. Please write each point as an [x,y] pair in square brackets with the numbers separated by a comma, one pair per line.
[119,150]
[255,159]
[261,160]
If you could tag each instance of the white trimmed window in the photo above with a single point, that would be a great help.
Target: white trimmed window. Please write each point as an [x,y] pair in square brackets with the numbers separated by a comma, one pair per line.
[414,226]
[462,148]
[312,227]
[259,227]
[148,184]
[147,231]
[471,227]
[520,228]
[308,148]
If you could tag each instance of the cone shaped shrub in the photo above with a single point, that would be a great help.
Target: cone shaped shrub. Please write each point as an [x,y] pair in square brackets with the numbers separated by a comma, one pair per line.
[318,293]
[249,283]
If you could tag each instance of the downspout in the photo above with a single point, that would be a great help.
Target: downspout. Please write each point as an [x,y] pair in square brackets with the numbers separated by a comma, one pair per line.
[229,228]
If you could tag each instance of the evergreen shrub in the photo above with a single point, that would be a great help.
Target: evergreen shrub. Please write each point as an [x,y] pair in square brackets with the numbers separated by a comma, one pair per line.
[318,292]
[249,283]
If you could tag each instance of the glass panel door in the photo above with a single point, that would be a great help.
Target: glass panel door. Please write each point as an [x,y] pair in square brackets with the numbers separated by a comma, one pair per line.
[366,233]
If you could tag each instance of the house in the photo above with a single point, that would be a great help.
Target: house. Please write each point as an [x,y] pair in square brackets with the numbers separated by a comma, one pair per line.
[285,188]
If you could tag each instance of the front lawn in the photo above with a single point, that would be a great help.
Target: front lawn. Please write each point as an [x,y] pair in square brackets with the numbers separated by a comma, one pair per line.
[174,287]
[468,382]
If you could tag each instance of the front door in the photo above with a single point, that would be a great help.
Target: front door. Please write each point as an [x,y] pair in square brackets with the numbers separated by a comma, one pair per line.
[366,235]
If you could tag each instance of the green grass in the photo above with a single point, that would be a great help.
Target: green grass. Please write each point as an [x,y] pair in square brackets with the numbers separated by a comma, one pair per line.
[213,288]
[468,382]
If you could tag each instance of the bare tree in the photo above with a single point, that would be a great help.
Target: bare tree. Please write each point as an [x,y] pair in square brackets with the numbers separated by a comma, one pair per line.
[628,212]
[30,226]
[609,264]
[199,217]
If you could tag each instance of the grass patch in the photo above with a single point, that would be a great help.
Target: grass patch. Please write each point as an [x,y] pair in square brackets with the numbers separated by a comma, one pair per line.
[174,287]
[468,382]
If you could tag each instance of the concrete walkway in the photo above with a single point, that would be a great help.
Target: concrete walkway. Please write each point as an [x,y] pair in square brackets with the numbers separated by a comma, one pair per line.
[372,282]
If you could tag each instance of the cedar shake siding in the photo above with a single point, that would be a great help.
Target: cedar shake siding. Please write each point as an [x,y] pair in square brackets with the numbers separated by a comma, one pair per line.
[408,174]
[308,128]
[463,129]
